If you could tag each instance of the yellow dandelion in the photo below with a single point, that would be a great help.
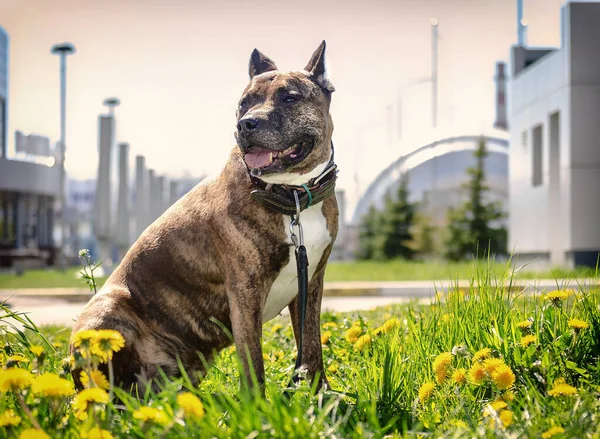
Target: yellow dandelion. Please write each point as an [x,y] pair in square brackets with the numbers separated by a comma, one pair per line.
[36,350]
[477,373]
[482,354]
[552,431]
[442,361]
[332,368]
[191,404]
[459,376]
[95,395]
[107,342]
[363,341]
[503,377]
[330,325]
[425,391]
[562,390]
[577,324]
[341,352]
[84,339]
[506,416]
[325,337]
[15,379]
[390,324]
[16,359]
[459,423]
[9,419]
[98,378]
[557,296]
[51,385]
[508,396]
[33,433]
[353,333]
[57,344]
[441,375]
[96,433]
[446,318]
[150,414]
[524,325]
[527,340]
[276,328]
[491,364]
[498,405]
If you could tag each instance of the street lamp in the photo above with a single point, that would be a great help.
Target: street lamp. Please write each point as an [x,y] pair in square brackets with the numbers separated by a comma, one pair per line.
[111,103]
[62,50]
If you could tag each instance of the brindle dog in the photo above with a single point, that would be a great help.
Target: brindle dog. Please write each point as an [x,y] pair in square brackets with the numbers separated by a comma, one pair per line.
[218,262]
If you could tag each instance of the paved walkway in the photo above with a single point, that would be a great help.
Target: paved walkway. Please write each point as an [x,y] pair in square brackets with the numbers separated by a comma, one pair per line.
[62,305]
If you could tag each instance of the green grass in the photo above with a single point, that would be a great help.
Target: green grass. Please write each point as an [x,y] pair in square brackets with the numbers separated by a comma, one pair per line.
[401,270]
[49,278]
[376,371]
[397,270]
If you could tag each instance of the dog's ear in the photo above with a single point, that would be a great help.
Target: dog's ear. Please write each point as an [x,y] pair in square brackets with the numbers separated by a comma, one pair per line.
[316,67]
[260,63]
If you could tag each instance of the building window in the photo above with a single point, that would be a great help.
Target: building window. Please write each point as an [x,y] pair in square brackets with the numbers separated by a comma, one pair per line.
[524,139]
[537,156]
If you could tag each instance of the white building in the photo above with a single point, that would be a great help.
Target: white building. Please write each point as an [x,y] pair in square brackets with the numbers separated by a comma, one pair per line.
[554,163]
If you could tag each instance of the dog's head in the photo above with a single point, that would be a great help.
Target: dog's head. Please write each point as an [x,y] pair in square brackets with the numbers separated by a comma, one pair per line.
[283,122]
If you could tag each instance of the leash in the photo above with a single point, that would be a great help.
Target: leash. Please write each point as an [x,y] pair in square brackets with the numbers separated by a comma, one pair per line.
[302,267]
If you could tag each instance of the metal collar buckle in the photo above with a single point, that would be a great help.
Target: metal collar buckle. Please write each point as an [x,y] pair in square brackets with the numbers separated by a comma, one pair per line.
[295,222]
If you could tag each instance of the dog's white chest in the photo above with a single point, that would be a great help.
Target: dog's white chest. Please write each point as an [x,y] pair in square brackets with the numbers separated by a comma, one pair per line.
[316,240]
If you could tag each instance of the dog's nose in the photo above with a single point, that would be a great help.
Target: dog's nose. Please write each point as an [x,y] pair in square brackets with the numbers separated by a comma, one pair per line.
[247,124]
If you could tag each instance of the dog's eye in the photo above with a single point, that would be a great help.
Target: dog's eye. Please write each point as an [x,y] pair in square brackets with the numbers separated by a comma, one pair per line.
[290,98]
[243,104]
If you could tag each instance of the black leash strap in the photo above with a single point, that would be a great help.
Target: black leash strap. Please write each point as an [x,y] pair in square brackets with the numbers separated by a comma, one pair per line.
[302,268]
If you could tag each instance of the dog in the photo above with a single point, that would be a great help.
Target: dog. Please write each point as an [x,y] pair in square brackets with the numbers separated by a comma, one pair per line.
[221,260]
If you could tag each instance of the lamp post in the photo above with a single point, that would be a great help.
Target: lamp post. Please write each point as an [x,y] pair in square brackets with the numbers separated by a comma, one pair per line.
[62,50]
[111,103]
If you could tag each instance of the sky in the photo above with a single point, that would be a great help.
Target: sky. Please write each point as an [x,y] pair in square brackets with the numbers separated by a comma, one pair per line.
[179,67]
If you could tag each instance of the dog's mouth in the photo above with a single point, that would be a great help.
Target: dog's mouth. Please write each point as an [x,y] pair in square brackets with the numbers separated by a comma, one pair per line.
[265,159]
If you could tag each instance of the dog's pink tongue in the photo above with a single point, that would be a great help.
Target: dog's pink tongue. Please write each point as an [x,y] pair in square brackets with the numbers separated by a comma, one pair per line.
[258,159]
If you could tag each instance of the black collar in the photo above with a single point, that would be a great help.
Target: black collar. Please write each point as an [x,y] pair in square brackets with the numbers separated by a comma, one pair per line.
[280,197]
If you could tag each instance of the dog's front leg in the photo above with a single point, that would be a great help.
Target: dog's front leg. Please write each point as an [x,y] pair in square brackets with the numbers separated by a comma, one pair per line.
[246,324]
[312,353]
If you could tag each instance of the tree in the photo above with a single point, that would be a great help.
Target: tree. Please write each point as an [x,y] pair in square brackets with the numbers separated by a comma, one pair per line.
[470,228]
[398,218]
[370,227]
[425,236]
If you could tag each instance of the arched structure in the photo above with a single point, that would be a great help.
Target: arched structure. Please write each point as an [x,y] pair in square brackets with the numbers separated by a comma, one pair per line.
[436,173]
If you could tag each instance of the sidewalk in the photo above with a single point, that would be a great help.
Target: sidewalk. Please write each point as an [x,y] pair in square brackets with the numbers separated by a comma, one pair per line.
[407,289]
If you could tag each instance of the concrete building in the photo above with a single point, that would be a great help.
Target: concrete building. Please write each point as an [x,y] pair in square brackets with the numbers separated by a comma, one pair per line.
[555,150]
[3,92]
[28,188]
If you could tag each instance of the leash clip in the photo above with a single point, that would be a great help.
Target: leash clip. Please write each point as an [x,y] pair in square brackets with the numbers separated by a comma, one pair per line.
[295,222]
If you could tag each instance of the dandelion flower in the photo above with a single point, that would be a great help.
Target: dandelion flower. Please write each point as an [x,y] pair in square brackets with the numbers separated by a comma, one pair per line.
[330,325]
[440,366]
[577,324]
[459,423]
[390,324]
[16,359]
[15,379]
[9,419]
[508,396]
[51,385]
[562,390]
[84,339]
[107,342]
[94,395]
[276,328]
[332,368]
[325,337]
[33,433]
[363,341]
[98,378]
[506,416]
[477,373]
[36,350]
[557,296]
[498,405]
[503,377]
[524,325]
[482,354]
[96,433]
[191,404]
[491,364]
[527,340]
[459,376]
[150,414]
[353,333]
[425,391]
[552,431]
